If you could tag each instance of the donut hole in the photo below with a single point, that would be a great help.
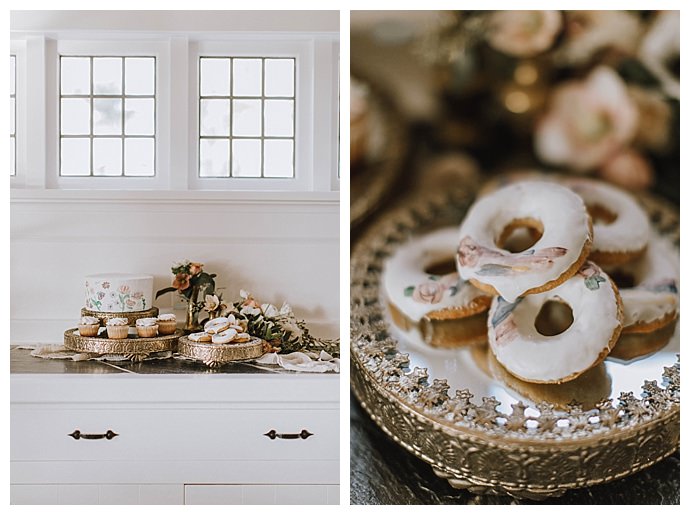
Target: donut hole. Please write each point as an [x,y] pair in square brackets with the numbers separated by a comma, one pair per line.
[520,234]
[441,267]
[554,317]
[601,215]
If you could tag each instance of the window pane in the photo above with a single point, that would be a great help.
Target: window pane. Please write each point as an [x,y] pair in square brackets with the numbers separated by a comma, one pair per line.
[107,76]
[280,78]
[215,117]
[107,156]
[75,116]
[278,158]
[12,113]
[278,118]
[246,117]
[214,158]
[215,77]
[139,154]
[246,77]
[13,62]
[75,156]
[246,158]
[139,117]
[107,116]
[75,75]
[140,75]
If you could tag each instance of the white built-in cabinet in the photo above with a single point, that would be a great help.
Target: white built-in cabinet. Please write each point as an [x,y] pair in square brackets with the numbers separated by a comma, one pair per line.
[180,439]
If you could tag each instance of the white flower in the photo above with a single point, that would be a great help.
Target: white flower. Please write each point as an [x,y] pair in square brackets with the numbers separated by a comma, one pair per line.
[523,33]
[269,310]
[244,294]
[661,47]
[292,327]
[211,302]
[286,309]
[250,310]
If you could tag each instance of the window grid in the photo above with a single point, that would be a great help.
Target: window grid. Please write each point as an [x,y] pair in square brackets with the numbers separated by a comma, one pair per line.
[123,97]
[263,99]
[13,114]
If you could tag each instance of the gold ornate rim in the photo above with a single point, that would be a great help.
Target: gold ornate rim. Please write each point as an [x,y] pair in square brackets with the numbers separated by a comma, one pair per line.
[217,354]
[539,456]
[372,183]
[126,346]
[131,316]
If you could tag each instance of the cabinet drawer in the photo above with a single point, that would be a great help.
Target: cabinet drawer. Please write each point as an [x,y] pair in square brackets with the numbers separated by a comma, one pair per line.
[42,433]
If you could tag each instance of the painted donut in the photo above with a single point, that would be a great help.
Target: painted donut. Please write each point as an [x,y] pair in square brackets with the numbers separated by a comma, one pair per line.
[424,289]
[652,300]
[530,355]
[218,324]
[199,337]
[620,225]
[224,336]
[543,208]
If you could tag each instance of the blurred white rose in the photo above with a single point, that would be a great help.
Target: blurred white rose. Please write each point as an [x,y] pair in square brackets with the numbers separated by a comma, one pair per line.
[523,33]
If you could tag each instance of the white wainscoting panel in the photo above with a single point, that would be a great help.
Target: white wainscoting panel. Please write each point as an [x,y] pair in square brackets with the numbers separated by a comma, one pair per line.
[280,249]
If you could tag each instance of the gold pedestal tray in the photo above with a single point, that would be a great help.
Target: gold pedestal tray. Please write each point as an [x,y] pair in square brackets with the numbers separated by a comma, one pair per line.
[217,354]
[131,316]
[475,429]
[132,347]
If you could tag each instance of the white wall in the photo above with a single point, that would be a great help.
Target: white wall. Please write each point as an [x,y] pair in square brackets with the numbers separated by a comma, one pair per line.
[223,21]
[279,246]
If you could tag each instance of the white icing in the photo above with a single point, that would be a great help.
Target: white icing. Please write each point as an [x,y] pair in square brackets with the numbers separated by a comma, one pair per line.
[116,292]
[217,325]
[199,337]
[167,317]
[224,336]
[117,321]
[405,271]
[566,230]
[629,232]
[531,356]
[657,274]
[89,321]
[146,322]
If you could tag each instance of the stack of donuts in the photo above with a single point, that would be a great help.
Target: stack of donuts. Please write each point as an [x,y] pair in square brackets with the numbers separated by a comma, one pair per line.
[549,272]
[222,330]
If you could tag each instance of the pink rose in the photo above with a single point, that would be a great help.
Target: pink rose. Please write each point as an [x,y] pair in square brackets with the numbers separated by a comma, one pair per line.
[628,169]
[429,293]
[588,122]
[181,282]
[523,33]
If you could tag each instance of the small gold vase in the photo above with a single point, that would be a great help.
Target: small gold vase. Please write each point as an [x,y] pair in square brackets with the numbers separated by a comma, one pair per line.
[191,324]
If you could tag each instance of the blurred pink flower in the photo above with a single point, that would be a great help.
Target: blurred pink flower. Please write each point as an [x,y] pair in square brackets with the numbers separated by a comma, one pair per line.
[523,33]
[628,169]
[429,292]
[588,121]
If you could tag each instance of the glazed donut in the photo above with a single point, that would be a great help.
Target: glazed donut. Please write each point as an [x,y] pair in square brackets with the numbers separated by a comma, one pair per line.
[552,210]
[218,324]
[242,337]
[620,225]
[631,346]
[224,336]
[652,302]
[199,337]
[447,310]
[597,315]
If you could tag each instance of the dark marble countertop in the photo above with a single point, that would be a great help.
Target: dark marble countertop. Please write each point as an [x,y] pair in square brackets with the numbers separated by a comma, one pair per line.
[21,362]
[382,472]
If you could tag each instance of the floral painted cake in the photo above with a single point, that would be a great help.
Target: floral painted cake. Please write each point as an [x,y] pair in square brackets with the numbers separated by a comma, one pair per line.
[117,292]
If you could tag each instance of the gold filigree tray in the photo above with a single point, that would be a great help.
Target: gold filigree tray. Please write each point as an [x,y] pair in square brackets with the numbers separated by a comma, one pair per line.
[132,347]
[131,316]
[217,354]
[374,179]
[454,409]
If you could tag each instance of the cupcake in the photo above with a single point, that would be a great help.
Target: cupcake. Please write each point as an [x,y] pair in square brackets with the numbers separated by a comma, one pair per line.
[167,323]
[147,327]
[117,328]
[88,326]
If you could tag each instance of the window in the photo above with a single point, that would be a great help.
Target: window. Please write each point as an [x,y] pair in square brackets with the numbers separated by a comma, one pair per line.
[13,115]
[107,116]
[246,117]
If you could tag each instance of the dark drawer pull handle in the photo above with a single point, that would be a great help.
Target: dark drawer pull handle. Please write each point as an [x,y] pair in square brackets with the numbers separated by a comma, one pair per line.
[77,435]
[304,434]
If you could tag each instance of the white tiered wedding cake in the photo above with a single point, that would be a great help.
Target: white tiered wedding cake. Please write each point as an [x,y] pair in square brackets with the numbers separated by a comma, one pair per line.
[118,292]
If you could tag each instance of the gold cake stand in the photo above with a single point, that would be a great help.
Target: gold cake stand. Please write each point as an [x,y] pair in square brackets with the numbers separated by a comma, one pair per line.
[217,354]
[132,347]
[131,316]
[468,424]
